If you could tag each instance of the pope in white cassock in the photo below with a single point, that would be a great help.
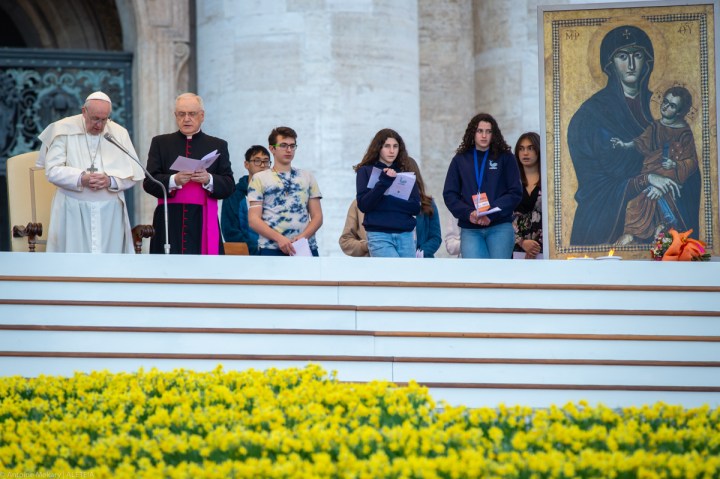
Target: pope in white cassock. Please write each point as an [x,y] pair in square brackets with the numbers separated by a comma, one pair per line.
[89,214]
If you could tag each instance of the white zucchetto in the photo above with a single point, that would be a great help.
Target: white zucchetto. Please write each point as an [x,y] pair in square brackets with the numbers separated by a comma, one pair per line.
[98,95]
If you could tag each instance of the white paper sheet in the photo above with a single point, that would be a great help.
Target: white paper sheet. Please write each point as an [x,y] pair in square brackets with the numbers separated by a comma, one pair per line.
[401,187]
[302,247]
[183,163]
[490,211]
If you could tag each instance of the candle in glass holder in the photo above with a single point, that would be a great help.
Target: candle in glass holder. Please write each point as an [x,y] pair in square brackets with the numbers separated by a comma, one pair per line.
[610,256]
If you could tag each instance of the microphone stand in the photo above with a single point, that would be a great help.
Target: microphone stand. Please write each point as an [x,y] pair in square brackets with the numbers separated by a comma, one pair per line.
[112,140]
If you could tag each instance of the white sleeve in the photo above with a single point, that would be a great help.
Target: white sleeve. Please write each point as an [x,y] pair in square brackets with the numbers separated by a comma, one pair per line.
[56,169]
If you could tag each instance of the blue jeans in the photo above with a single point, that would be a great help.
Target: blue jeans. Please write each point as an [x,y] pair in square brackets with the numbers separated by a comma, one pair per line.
[277,252]
[391,245]
[495,242]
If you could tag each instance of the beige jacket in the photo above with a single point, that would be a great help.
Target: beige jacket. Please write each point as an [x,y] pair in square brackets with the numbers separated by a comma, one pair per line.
[353,240]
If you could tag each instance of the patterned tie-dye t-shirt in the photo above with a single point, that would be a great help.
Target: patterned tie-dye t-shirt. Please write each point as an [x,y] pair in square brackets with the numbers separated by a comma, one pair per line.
[285,198]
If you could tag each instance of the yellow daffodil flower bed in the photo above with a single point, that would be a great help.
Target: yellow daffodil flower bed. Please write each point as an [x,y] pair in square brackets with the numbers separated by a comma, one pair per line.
[305,424]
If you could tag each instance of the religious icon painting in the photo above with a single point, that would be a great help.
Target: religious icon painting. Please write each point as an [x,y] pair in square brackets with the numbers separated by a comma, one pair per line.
[630,117]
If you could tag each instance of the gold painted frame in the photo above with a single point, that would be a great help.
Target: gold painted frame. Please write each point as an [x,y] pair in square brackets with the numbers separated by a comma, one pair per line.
[590,216]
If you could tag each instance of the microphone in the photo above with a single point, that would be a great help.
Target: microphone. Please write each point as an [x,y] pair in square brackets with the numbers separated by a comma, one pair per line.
[108,136]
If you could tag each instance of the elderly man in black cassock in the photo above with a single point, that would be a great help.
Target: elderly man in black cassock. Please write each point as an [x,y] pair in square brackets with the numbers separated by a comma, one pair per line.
[192,194]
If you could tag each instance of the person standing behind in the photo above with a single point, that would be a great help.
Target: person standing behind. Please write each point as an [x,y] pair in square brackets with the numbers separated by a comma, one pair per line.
[192,195]
[452,237]
[427,232]
[234,216]
[527,221]
[483,175]
[284,201]
[88,213]
[389,221]
[353,240]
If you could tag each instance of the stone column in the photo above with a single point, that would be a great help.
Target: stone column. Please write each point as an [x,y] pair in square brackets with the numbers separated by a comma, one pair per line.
[158,33]
[336,72]
[506,63]
[503,57]
[447,89]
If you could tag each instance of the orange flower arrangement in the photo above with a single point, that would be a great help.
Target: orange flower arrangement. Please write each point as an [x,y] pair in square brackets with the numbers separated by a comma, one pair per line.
[684,248]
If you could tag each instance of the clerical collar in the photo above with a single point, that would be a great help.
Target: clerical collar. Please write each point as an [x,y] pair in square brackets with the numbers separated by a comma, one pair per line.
[189,137]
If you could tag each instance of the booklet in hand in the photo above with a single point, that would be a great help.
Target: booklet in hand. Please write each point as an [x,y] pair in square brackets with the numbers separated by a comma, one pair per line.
[487,212]
[401,187]
[188,164]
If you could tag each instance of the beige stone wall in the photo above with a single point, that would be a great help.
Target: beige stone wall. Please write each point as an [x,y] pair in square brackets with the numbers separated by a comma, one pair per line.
[336,72]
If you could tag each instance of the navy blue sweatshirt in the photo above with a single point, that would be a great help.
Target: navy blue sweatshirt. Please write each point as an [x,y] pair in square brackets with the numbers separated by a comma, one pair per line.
[501,183]
[385,213]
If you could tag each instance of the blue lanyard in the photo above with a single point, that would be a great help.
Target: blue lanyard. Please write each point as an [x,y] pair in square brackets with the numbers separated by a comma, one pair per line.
[479,176]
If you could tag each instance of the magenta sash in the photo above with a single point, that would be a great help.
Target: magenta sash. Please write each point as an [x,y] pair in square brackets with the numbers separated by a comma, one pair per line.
[194,194]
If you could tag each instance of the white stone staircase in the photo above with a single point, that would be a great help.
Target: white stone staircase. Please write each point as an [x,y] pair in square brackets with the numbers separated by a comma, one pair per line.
[477,332]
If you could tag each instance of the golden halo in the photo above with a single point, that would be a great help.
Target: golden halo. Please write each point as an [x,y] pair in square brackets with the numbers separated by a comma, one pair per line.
[656,37]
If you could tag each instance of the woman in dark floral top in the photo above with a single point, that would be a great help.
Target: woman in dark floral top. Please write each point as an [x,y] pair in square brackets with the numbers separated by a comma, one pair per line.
[527,219]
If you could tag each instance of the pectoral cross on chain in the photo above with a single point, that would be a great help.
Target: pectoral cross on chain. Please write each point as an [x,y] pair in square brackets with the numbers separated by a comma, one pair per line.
[92,169]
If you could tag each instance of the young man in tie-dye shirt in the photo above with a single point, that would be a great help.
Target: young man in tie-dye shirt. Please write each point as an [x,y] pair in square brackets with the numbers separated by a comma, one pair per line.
[284,201]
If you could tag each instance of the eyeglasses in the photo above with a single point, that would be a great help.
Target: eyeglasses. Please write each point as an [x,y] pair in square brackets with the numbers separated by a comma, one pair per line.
[259,162]
[183,114]
[94,120]
[286,146]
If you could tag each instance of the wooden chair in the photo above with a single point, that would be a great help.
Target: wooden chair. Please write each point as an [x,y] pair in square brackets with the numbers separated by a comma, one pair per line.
[30,196]
[232,248]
